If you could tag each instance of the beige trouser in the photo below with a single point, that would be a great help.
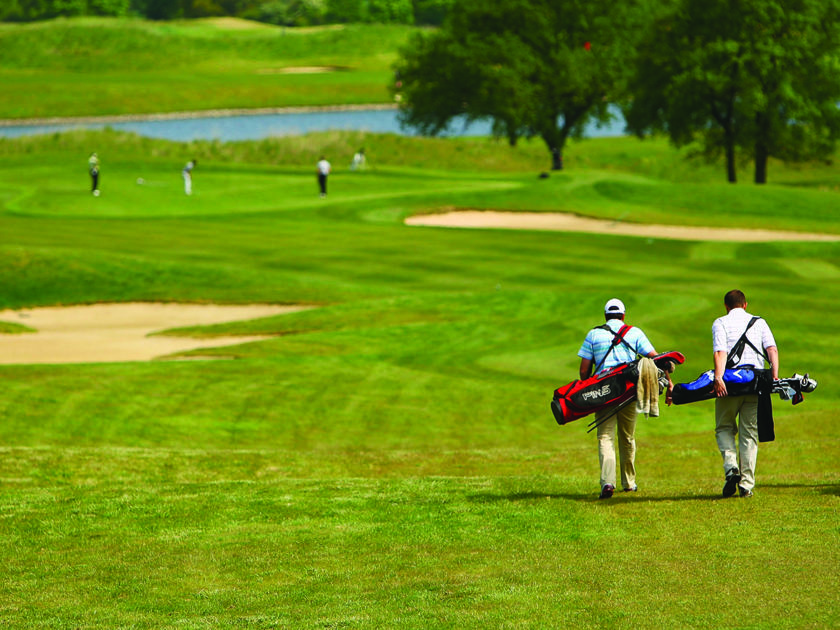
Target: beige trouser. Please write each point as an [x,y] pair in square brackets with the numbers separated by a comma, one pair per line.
[626,422]
[746,409]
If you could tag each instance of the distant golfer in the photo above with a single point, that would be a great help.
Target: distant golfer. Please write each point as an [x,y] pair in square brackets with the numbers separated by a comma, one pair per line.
[359,162]
[608,346]
[93,169]
[187,173]
[323,172]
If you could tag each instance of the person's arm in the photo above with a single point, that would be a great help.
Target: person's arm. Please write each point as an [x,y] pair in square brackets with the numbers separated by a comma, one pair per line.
[769,345]
[773,355]
[720,366]
[585,368]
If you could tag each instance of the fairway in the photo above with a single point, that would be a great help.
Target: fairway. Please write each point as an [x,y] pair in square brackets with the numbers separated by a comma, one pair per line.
[388,459]
[107,66]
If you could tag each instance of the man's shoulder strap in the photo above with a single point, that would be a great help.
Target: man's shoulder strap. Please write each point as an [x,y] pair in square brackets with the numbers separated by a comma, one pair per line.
[618,337]
[734,356]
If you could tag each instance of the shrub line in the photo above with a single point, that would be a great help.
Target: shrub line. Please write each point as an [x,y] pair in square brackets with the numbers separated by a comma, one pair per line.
[209,113]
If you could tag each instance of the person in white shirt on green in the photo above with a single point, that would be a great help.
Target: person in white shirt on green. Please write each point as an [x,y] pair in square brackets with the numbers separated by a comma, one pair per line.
[323,168]
[93,169]
[187,173]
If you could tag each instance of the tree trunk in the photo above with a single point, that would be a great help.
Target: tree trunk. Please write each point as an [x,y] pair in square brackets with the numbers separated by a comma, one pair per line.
[761,155]
[762,152]
[555,140]
[731,175]
[556,159]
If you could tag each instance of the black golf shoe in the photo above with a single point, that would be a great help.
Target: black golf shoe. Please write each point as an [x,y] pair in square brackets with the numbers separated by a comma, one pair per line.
[607,491]
[733,476]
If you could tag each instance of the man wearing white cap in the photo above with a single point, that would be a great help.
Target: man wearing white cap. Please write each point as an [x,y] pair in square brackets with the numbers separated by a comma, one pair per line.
[606,347]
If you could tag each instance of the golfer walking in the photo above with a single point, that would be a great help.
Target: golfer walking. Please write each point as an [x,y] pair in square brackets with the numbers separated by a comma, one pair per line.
[186,172]
[323,169]
[608,346]
[726,333]
[93,169]
[359,162]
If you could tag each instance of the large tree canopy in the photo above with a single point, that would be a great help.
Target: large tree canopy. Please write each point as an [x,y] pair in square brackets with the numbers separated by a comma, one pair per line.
[761,76]
[533,67]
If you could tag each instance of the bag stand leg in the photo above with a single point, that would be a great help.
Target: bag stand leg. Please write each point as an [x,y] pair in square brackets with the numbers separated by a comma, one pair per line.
[597,423]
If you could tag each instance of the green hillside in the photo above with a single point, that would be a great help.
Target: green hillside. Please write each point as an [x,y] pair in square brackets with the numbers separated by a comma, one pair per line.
[101,66]
[388,459]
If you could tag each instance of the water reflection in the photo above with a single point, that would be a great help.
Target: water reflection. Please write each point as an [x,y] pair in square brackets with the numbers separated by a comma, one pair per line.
[258,126]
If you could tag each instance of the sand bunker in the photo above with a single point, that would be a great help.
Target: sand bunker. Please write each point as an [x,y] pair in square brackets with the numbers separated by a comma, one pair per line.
[119,332]
[232,23]
[566,222]
[300,70]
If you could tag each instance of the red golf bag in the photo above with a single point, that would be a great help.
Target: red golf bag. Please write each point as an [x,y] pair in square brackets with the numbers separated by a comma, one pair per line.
[614,387]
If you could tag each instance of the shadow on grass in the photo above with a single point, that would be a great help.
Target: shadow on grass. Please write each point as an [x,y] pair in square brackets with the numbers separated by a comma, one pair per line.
[816,183]
[832,489]
[823,488]
[589,497]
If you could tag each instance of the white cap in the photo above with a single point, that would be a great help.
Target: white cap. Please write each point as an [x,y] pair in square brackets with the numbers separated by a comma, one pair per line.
[614,306]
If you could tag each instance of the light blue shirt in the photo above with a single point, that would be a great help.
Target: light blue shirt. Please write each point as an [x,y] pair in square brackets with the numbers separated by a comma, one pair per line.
[598,342]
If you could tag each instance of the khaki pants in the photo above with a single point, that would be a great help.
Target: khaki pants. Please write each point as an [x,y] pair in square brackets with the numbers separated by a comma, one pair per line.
[625,420]
[746,409]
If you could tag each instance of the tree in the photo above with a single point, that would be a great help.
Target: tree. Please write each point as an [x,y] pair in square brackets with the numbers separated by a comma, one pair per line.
[345,10]
[289,12]
[761,76]
[794,95]
[684,85]
[161,9]
[390,11]
[533,67]
[431,12]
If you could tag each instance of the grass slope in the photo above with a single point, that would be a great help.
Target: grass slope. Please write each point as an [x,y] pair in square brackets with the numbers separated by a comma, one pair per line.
[100,66]
[389,459]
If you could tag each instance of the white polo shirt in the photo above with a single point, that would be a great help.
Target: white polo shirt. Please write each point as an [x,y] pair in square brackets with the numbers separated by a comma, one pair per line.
[727,330]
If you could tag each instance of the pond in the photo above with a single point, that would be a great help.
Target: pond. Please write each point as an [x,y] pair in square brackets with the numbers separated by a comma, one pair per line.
[241,126]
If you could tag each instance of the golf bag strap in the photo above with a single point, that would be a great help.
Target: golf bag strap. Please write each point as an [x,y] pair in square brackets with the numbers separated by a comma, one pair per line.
[618,337]
[738,348]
